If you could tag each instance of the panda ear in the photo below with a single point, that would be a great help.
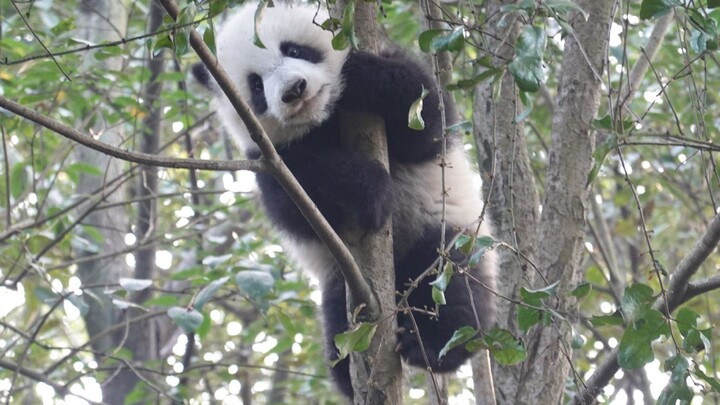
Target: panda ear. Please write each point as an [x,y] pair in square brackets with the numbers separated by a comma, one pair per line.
[202,75]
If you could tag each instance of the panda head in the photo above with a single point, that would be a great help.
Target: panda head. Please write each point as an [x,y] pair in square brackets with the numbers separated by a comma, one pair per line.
[292,84]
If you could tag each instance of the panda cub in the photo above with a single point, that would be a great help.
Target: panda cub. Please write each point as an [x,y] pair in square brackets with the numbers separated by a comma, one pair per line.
[296,85]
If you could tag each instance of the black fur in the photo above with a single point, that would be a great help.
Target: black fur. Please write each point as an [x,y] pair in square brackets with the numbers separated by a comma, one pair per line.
[201,74]
[297,51]
[348,186]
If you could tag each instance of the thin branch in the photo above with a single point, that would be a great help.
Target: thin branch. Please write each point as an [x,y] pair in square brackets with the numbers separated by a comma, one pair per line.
[6,162]
[27,24]
[124,154]
[643,63]
[112,44]
[678,292]
[41,377]
[701,286]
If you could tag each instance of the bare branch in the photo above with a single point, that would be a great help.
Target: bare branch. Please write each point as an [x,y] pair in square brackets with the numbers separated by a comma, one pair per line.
[124,154]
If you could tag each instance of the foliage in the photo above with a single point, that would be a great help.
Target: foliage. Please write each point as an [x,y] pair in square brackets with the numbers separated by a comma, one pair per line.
[223,286]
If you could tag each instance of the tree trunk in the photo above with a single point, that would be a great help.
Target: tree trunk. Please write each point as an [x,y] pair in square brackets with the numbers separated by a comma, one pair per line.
[143,342]
[376,373]
[514,198]
[94,25]
[562,224]
[508,184]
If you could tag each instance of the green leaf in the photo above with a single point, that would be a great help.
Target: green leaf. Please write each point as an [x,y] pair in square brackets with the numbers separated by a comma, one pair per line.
[527,68]
[181,42]
[578,340]
[216,7]
[122,304]
[76,169]
[208,292]
[686,320]
[470,83]
[581,290]
[45,295]
[482,244]
[134,284]
[258,18]
[459,337]
[636,300]
[527,102]
[710,380]
[79,302]
[415,120]
[188,319]
[713,3]
[37,242]
[443,279]
[214,261]
[505,348]
[635,348]
[209,39]
[698,40]
[19,179]
[697,340]
[356,340]
[204,327]
[256,284]
[93,233]
[528,317]
[346,37]
[657,8]
[677,388]
[530,296]
[615,319]
[452,42]
[426,38]
[438,296]
[161,301]
[599,156]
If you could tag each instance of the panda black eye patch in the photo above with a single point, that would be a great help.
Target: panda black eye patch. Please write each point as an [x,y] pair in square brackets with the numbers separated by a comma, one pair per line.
[257,90]
[296,51]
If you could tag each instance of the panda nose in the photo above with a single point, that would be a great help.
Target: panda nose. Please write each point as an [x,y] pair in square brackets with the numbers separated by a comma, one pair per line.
[294,92]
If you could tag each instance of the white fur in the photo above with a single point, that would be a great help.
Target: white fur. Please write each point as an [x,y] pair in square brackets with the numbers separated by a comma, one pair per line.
[419,198]
[239,56]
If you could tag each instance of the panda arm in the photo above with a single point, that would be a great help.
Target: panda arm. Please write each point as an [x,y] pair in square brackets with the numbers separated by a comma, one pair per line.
[340,182]
[388,85]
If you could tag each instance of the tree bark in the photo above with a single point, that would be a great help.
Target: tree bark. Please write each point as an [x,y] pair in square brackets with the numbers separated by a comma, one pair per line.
[94,25]
[376,373]
[508,184]
[143,342]
[562,225]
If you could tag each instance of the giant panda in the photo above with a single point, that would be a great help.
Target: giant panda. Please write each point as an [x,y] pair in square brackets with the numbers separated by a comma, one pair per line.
[296,85]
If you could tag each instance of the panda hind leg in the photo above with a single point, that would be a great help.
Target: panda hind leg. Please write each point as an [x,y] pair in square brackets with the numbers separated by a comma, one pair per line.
[468,304]
[335,321]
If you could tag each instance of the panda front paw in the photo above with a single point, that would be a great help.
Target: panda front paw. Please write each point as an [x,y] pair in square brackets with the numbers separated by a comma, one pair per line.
[410,350]
[374,212]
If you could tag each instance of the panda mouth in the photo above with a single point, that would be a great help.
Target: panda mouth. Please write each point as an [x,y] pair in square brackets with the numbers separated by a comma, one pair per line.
[307,106]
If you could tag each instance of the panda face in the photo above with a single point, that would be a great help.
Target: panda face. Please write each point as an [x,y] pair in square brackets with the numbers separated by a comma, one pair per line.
[292,84]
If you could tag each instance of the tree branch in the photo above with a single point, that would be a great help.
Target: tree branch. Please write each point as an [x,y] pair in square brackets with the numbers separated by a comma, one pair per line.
[124,154]
[678,292]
